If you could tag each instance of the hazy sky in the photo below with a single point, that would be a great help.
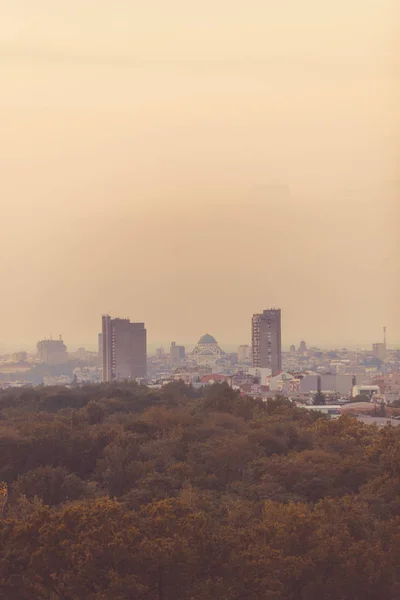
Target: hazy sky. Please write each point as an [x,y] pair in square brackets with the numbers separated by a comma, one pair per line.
[190,163]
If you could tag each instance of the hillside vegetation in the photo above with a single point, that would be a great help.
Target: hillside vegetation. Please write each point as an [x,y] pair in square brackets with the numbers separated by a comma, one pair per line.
[118,492]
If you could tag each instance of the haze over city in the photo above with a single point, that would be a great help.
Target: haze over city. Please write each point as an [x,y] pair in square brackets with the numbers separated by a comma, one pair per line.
[187,166]
[200,307]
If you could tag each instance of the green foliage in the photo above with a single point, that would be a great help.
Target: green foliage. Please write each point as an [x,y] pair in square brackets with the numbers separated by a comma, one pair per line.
[119,492]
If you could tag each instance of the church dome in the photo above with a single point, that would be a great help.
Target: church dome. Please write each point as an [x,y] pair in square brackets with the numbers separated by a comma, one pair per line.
[207,339]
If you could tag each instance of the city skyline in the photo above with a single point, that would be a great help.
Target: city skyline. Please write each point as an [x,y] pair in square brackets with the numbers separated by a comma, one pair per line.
[153,343]
[200,304]
[189,184]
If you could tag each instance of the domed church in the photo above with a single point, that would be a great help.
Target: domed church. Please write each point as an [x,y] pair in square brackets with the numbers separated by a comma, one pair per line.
[207,351]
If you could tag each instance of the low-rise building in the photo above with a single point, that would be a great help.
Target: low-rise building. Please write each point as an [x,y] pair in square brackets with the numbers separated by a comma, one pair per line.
[19,357]
[261,373]
[177,354]
[366,390]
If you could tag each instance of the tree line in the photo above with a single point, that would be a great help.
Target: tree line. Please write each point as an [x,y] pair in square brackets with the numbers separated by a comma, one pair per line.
[121,492]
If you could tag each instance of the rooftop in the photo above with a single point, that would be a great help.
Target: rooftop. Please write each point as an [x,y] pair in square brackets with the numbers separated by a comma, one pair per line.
[207,339]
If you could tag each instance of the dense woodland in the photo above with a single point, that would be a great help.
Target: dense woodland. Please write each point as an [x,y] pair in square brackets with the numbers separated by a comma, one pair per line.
[120,492]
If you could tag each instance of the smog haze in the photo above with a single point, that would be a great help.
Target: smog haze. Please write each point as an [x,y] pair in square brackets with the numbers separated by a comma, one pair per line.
[189,164]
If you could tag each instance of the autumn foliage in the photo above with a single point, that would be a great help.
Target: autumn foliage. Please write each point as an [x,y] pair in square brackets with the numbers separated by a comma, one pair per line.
[118,492]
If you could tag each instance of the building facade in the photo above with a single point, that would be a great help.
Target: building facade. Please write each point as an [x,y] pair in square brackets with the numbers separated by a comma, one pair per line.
[52,352]
[207,352]
[244,353]
[379,351]
[266,340]
[124,346]
[262,375]
[177,353]
[100,344]
[19,357]
[339,383]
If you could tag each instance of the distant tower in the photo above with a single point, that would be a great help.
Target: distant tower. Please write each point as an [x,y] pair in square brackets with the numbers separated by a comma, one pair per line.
[100,345]
[379,350]
[124,349]
[266,340]
[302,347]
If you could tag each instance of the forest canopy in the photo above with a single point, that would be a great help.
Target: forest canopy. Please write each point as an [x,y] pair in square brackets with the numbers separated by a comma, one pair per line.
[122,492]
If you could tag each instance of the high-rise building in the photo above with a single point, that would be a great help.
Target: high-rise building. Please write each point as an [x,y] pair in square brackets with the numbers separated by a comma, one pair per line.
[266,340]
[124,349]
[100,344]
[52,352]
[379,350]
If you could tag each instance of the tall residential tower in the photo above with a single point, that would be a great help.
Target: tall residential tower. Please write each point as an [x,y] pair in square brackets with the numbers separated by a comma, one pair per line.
[124,349]
[266,340]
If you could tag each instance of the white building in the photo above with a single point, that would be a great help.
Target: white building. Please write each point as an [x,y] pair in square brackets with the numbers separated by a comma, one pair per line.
[261,373]
[331,410]
[337,382]
[207,351]
[366,390]
[280,382]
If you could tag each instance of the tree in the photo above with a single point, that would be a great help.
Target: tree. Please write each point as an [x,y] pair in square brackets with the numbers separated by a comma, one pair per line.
[216,495]
[319,399]
[52,485]
[3,496]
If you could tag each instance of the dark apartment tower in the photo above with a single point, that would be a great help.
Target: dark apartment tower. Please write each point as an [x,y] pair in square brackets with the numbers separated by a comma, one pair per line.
[266,340]
[124,349]
[100,344]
